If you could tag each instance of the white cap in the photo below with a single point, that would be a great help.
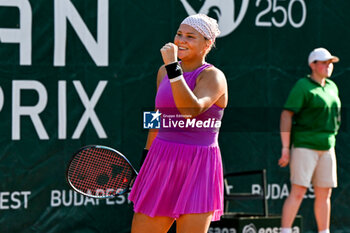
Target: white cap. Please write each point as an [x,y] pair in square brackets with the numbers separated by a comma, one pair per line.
[321,54]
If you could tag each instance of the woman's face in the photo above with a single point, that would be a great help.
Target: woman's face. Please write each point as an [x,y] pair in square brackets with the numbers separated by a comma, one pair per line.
[190,43]
[323,69]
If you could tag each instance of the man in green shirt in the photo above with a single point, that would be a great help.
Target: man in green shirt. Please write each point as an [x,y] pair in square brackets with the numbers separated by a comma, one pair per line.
[309,123]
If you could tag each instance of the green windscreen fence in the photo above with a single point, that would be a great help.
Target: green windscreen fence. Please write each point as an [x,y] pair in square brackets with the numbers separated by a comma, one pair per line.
[80,72]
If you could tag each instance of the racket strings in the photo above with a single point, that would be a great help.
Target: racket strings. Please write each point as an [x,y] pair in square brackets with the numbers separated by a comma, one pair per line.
[99,172]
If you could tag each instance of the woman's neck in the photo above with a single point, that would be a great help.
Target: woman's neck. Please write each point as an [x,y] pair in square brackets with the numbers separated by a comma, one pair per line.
[318,79]
[191,66]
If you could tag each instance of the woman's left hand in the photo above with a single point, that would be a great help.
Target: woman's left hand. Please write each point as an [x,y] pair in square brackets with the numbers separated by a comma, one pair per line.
[169,53]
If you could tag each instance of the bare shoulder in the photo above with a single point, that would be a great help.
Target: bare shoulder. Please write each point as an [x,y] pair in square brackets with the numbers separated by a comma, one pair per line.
[212,74]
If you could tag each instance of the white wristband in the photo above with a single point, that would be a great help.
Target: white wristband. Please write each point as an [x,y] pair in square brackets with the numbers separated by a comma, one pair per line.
[176,79]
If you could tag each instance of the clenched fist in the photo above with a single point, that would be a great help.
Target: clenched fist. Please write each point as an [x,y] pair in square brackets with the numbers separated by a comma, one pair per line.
[169,53]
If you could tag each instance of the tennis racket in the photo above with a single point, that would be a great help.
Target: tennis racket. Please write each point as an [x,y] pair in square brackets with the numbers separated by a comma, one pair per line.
[100,172]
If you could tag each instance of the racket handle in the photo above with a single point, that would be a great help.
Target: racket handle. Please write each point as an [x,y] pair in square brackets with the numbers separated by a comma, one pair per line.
[143,157]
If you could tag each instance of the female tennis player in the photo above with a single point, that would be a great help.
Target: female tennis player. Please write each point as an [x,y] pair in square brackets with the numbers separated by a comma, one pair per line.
[181,178]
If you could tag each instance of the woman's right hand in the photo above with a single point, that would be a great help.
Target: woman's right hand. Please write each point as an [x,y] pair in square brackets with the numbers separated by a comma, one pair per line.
[169,53]
[284,160]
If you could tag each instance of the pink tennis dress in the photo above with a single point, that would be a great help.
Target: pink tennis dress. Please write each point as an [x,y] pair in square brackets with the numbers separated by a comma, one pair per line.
[182,173]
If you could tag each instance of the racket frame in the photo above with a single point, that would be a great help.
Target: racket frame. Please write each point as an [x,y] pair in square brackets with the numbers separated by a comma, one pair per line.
[135,173]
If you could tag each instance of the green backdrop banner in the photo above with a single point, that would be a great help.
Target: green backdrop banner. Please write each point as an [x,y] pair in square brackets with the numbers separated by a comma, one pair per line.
[79,72]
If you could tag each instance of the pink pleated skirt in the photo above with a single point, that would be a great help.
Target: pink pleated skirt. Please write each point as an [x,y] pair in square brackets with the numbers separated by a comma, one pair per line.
[178,179]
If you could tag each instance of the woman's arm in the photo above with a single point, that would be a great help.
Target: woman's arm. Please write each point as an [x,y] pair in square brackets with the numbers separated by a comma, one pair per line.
[211,85]
[285,128]
[152,133]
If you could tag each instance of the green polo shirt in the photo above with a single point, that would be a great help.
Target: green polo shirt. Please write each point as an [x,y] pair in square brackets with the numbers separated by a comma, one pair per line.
[316,117]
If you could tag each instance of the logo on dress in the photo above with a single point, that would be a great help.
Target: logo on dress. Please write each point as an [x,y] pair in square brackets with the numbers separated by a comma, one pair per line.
[151,120]
[225,13]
